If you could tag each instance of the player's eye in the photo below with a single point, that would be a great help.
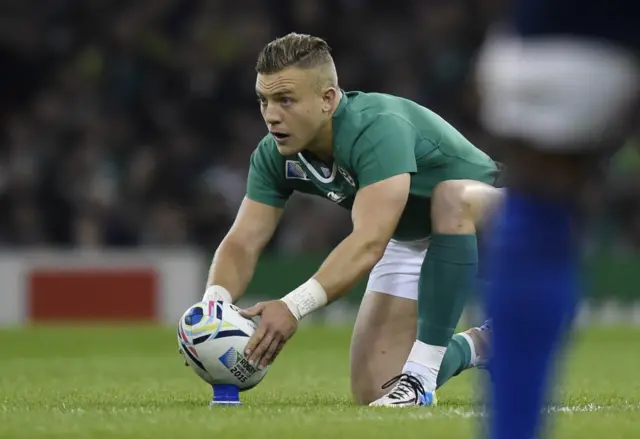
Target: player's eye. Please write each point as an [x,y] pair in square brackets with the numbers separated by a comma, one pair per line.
[261,100]
[286,100]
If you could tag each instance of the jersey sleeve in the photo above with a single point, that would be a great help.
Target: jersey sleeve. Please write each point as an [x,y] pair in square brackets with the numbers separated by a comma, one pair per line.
[385,149]
[265,182]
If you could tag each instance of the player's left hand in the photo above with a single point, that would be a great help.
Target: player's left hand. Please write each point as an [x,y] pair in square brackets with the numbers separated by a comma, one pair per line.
[276,326]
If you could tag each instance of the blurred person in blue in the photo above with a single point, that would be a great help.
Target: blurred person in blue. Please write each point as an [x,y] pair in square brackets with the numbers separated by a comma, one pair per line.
[559,81]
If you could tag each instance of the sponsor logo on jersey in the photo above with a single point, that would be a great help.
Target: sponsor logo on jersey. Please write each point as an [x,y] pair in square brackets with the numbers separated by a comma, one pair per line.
[294,171]
[335,197]
[346,176]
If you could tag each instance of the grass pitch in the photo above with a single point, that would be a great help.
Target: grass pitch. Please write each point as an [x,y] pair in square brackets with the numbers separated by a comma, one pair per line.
[96,382]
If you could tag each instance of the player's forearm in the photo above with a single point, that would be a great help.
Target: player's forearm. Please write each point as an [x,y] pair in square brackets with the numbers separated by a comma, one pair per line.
[353,258]
[342,269]
[232,267]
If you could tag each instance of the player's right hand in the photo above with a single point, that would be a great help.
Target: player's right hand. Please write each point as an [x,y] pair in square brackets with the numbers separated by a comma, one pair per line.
[277,325]
[216,292]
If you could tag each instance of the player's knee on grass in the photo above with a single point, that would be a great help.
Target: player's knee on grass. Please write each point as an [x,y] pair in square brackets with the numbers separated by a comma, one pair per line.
[364,393]
[461,206]
[383,334]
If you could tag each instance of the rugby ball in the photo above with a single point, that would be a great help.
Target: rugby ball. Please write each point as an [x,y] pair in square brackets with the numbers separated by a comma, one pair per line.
[212,337]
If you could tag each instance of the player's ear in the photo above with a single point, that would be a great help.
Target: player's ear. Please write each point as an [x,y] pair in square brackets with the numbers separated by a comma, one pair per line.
[329,96]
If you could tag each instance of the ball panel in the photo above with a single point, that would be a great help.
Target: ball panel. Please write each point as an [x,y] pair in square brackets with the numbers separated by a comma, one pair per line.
[189,352]
[194,315]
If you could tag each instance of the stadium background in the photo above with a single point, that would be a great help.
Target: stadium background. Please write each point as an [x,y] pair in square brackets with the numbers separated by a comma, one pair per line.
[127,127]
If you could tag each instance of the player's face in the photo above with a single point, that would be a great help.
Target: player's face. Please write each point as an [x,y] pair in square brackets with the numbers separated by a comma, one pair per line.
[293,108]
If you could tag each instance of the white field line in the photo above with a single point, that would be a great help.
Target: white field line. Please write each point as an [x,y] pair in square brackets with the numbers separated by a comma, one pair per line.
[426,413]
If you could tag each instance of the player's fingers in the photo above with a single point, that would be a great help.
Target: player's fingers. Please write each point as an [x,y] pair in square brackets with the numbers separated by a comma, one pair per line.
[260,349]
[276,353]
[255,339]
[270,353]
[253,311]
[278,349]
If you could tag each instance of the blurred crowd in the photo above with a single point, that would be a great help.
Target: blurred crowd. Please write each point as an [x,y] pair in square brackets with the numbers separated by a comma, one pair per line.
[129,123]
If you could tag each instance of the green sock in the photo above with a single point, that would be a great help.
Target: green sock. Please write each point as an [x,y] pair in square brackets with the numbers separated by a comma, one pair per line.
[447,278]
[456,359]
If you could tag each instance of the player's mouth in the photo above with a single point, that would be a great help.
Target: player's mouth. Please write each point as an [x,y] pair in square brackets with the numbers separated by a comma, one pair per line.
[280,137]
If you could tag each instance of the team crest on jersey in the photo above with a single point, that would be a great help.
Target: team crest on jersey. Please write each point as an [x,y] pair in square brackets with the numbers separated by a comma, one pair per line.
[294,171]
[326,172]
[346,176]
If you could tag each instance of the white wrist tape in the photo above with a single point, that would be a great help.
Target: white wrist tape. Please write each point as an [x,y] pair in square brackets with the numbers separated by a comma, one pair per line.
[306,298]
[216,292]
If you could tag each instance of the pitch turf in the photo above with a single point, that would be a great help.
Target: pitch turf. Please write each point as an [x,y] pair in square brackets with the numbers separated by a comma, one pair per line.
[130,383]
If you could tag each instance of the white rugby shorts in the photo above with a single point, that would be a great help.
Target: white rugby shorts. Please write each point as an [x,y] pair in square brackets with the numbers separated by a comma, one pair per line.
[398,272]
[558,93]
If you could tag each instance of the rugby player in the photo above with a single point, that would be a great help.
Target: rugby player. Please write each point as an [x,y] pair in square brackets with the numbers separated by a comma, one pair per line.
[411,181]
[559,82]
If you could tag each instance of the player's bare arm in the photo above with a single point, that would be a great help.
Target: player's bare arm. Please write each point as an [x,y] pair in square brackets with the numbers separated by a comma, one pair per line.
[375,215]
[235,259]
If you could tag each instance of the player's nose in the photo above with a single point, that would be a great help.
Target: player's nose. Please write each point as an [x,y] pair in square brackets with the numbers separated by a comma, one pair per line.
[272,115]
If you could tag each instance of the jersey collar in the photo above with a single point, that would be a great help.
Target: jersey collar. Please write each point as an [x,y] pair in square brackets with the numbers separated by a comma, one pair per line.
[321,178]
[339,114]
[337,118]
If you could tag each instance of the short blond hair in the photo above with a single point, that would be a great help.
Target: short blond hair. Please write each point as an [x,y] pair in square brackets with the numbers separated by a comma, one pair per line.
[294,50]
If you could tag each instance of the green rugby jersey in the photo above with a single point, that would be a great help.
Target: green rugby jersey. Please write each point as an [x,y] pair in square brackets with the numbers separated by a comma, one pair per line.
[375,136]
